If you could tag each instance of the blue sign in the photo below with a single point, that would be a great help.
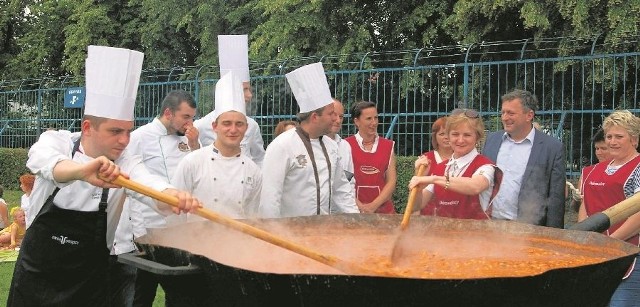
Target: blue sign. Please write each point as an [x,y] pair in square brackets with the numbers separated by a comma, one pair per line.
[74,97]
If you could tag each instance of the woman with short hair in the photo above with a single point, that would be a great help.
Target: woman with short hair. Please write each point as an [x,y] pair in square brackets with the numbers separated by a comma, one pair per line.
[465,185]
[610,182]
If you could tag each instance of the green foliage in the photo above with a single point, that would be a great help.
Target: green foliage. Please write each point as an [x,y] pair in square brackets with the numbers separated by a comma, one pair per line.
[50,38]
[42,45]
[405,169]
[12,161]
[12,197]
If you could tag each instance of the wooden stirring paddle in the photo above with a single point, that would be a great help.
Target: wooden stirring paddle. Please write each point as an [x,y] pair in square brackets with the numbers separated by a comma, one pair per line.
[397,251]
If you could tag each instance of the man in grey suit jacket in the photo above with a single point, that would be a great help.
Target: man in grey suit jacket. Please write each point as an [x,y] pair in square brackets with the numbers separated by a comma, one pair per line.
[533,163]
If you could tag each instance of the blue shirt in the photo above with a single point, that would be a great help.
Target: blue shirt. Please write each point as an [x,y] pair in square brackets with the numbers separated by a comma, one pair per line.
[512,160]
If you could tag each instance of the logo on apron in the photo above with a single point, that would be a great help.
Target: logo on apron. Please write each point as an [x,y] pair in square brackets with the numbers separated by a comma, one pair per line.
[369,170]
[64,240]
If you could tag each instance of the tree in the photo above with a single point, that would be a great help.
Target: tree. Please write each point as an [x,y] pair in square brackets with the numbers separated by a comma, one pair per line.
[41,47]
[11,26]
[298,28]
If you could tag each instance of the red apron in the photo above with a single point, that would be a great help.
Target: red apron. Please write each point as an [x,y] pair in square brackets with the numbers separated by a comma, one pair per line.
[447,203]
[369,171]
[602,191]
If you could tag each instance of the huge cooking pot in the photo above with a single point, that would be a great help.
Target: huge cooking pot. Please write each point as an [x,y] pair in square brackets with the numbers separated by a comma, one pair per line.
[234,269]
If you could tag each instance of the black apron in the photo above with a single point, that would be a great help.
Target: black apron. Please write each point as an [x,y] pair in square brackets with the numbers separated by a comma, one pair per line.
[63,259]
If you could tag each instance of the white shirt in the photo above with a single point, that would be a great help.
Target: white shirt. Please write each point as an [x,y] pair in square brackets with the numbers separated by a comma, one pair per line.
[512,159]
[460,167]
[230,186]
[55,146]
[251,145]
[289,186]
[160,154]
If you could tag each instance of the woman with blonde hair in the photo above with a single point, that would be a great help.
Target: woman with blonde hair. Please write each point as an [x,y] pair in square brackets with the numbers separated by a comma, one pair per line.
[465,185]
[610,182]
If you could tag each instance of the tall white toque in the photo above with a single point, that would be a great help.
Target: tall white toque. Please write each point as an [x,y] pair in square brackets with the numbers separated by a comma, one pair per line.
[233,55]
[112,79]
[310,87]
[229,95]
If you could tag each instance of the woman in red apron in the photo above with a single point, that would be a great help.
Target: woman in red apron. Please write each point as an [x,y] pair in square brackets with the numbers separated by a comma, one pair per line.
[439,142]
[463,186]
[608,183]
[374,163]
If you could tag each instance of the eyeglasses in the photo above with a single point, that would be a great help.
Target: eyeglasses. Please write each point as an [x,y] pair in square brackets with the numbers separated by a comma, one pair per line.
[466,112]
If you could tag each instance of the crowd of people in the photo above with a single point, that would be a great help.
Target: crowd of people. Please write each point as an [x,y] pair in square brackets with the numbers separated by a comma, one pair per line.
[77,222]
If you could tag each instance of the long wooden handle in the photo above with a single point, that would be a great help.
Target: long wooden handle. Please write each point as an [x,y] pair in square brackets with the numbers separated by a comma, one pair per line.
[346,267]
[412,198]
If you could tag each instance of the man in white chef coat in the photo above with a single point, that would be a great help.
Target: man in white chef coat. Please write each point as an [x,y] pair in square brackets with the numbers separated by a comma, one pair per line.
[344,150]
[228,182]
[64,259]
[162,143]
[233,55]
[302,173]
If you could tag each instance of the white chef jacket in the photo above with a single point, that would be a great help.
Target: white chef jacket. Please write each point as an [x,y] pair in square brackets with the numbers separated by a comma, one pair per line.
[161,154]
[251,145]
[56,146]
[227,185]
[289,186]
[346,160]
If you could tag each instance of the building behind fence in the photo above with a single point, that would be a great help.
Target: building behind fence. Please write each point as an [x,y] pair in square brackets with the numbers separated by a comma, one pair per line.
[412,88]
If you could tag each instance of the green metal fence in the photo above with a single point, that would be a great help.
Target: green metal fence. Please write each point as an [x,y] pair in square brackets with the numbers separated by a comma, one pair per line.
[412,88]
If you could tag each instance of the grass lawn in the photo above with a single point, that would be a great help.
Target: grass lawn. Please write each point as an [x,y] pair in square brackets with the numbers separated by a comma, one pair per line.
[6,268]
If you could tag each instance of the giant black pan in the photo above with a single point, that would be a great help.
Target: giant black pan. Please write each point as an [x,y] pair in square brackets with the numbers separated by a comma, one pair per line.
[218,280]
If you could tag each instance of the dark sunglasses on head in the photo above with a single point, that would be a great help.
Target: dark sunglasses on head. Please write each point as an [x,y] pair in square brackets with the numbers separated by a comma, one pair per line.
[466,112]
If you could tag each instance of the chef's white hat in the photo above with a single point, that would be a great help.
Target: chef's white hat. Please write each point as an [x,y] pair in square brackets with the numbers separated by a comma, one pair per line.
[112,78]
[309,86]
[229,95]
[233,55]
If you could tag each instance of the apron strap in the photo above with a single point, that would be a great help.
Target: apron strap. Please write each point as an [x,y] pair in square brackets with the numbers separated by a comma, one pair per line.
[307,145]
[49,202]
[101,229]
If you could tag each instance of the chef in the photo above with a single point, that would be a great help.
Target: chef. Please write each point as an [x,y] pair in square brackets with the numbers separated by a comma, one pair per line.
[233,55]
[162,143]
[227,181]
[303,175]
[64,258]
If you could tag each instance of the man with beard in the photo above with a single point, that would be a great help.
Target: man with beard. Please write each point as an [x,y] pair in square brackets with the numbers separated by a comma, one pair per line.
[228,181]
[304,176]
[162,143]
